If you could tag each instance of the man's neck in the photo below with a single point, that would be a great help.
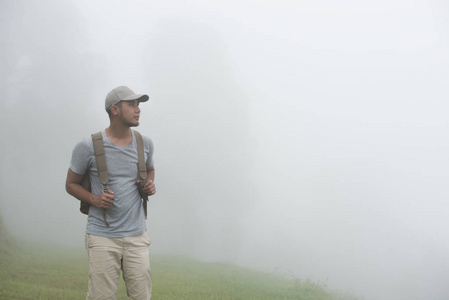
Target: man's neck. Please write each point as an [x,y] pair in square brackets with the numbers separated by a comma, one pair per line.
[119,135]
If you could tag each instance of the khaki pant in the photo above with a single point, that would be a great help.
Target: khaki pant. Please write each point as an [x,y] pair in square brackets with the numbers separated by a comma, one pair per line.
[109,256]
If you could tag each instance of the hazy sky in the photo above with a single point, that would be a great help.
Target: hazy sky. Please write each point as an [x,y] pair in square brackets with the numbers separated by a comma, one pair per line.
[306,138]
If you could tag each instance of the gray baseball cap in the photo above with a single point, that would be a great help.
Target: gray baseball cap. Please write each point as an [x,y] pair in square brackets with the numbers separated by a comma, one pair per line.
[122,93]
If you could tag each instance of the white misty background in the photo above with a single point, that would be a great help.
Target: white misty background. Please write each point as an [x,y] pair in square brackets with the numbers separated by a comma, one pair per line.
[302,138]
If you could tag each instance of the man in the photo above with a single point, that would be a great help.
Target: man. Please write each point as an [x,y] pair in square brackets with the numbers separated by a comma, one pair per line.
[123,245]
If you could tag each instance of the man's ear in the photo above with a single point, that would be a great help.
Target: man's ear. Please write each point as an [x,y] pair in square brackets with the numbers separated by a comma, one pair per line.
[115,110]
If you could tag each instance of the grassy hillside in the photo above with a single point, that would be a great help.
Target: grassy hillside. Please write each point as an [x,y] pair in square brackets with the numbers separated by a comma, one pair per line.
[34,272]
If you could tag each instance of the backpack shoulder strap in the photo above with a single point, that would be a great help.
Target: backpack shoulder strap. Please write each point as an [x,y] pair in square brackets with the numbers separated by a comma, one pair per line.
[141,156]
[141,168]
[97,139]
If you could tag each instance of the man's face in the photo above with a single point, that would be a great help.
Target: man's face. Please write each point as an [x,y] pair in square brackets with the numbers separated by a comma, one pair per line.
[130,113]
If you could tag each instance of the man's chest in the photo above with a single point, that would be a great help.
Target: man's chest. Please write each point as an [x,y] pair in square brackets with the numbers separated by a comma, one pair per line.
[121,162]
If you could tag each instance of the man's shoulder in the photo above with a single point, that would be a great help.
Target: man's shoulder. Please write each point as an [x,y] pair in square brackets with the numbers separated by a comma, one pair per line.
[82,155]
[85,144]
[148,143]
[146,140]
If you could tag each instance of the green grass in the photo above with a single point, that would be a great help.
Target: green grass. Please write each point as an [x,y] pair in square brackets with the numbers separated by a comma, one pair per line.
[31,272]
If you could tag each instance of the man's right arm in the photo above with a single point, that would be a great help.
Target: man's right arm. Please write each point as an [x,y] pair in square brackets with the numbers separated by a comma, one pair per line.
[73,187]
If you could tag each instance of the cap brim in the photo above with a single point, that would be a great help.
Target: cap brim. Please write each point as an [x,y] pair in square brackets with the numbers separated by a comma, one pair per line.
[139,97]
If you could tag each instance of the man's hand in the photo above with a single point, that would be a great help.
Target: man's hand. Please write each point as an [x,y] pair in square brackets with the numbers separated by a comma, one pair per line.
[105,200]
[149,188]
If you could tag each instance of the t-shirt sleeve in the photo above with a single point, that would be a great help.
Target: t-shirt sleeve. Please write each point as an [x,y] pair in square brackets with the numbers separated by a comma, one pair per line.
[80,157]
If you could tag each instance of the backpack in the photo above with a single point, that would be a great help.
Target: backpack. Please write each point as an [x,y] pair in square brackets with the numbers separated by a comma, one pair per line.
[100,157]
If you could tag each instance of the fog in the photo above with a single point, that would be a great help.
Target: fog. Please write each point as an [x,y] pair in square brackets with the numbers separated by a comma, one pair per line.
[304,138]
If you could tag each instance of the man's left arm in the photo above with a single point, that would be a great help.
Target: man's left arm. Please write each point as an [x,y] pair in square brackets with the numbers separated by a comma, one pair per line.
[149,187]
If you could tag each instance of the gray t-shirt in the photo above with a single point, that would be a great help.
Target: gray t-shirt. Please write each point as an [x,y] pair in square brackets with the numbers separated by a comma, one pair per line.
[126,216]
